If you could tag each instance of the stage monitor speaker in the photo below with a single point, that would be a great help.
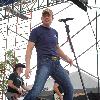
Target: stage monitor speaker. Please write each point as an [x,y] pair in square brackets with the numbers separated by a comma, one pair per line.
[46,95]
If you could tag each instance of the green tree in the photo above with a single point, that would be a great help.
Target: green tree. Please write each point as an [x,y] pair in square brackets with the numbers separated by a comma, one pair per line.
[6,67]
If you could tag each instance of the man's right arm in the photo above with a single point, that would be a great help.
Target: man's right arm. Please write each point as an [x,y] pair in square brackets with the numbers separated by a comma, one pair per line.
[30,47]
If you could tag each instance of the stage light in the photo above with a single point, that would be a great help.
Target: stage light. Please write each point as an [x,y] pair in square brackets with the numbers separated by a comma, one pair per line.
[81,4]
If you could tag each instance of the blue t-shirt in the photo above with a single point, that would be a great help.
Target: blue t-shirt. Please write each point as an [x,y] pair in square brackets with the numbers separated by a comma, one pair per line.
[45,39]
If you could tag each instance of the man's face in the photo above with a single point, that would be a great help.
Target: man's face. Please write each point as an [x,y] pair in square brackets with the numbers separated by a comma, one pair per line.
[47,19]
[20,69]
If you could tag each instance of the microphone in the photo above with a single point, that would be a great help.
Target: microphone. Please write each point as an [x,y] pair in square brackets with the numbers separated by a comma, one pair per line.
[64,20]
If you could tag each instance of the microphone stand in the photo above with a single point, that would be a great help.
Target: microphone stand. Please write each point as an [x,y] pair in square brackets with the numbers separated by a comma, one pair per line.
[69,39]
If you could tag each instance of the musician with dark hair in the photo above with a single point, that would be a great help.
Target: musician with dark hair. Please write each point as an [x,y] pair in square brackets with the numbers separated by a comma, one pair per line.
[58,89]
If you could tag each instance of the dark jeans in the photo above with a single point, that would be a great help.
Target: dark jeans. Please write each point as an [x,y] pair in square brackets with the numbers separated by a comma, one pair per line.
[45,68]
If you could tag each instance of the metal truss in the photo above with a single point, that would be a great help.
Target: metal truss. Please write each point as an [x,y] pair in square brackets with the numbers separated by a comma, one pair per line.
[21,12]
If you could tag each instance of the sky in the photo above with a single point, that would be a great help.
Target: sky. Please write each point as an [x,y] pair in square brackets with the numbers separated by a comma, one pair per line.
[81,42]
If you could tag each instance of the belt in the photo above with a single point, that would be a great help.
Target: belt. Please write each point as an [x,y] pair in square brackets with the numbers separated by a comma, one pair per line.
[54,58]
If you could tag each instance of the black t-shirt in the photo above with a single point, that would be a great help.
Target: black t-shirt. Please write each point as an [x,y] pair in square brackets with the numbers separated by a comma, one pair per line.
[17,81]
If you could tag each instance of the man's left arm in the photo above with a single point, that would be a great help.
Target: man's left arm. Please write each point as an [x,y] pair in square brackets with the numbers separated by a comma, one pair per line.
[63,56]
